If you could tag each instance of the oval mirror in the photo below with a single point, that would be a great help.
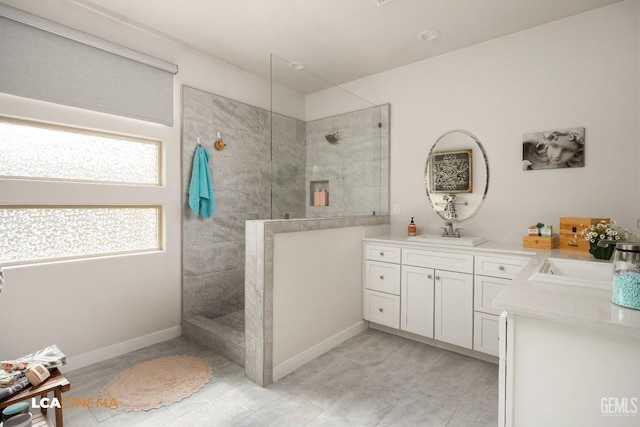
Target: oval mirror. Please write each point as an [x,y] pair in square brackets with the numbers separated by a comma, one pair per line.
[456,175]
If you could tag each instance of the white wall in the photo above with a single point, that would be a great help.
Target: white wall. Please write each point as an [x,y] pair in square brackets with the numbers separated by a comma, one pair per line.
[96,308]
[577,72]
[317,293]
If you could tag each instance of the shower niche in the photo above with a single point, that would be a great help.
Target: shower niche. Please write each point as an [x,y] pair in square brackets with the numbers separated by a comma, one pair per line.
[319,193]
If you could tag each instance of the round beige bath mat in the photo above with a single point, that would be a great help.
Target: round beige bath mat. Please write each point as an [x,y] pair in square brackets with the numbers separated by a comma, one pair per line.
[157,383]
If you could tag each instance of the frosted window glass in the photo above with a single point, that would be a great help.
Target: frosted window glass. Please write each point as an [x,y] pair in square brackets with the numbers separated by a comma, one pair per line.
[68,154]
[29,234]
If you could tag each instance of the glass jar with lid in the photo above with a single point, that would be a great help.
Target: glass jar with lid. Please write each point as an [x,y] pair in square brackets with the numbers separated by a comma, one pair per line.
[625,288]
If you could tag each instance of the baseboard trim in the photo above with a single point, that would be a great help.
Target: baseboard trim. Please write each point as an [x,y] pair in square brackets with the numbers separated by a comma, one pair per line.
[435,343]
[86,359]
[322,347]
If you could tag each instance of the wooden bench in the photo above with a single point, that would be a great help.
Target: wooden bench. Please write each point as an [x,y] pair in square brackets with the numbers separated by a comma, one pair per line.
[56,383]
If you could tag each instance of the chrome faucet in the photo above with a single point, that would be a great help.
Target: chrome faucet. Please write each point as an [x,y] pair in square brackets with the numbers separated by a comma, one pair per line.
[449,231]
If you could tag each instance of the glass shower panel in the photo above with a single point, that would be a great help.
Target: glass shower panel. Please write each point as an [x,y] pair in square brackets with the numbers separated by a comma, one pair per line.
[330,148]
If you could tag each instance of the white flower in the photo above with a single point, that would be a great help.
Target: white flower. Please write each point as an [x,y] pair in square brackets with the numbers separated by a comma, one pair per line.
[602,230]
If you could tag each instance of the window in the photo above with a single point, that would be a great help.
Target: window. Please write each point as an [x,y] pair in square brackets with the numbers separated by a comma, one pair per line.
[38,151]
[34,150]
[45,233]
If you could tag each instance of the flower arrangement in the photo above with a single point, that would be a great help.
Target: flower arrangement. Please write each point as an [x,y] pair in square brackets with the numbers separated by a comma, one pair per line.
[603,231]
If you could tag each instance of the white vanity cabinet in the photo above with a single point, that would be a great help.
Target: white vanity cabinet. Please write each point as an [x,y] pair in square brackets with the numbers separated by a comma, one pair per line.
[382,285]
[444,293]
[492,275]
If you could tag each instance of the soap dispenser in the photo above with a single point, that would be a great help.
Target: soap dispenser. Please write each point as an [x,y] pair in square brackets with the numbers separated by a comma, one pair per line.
[412,229]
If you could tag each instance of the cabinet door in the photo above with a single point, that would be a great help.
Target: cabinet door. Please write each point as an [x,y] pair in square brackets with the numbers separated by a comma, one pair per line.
[485,333]
[454,308]
[416,300]
[382,308]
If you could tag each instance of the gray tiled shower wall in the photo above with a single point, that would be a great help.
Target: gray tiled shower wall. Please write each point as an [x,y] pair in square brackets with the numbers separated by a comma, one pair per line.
[356,168]
[288,168]
[214,248]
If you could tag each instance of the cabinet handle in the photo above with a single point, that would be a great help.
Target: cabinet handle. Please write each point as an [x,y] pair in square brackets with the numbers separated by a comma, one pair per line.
[381,277]
[501,268]
[381,253]
[437,277]
[429,276]
[381,310]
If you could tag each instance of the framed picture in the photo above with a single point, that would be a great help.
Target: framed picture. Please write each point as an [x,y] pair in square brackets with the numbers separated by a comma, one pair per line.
[452,171]
[559,148]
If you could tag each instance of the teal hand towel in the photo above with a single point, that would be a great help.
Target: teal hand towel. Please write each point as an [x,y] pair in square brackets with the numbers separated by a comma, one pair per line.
[201,198]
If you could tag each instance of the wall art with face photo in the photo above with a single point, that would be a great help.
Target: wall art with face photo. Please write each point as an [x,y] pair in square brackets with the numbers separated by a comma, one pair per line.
[561,148]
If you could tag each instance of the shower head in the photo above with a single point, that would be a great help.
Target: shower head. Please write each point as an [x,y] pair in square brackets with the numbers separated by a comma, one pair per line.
[332,138]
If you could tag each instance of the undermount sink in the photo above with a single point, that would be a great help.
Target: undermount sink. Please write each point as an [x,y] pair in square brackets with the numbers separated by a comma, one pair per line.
[454,241]
[572,272]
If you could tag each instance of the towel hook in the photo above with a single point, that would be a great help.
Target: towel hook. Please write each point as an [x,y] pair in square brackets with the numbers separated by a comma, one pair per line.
[219,144]
[198,140]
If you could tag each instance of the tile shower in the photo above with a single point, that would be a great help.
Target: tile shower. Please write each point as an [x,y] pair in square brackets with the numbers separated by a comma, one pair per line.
[267,170]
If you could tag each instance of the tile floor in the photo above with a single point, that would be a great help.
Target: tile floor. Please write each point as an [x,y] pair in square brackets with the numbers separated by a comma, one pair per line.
[373,379]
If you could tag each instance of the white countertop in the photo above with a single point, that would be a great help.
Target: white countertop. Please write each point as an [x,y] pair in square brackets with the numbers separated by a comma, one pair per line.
[576,305]
[580,306]
[487,247]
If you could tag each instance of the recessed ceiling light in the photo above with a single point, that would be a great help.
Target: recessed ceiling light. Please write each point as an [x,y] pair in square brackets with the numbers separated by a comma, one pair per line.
[296,65]
[428,35]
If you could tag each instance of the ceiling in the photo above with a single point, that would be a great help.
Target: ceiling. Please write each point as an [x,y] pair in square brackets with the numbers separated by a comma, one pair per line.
[339,40]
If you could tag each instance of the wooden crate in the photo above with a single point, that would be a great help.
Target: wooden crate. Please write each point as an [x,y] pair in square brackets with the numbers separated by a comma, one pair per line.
[540,242]
[570,228]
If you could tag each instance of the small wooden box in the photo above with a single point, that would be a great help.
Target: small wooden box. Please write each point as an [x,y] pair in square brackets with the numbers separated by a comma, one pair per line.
[570,228]
[540,242]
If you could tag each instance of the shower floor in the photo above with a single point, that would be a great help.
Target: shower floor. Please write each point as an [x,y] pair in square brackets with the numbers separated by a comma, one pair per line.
[224,334]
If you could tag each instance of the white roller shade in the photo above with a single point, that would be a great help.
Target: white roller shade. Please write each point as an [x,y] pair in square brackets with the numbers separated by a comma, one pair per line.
[44,60]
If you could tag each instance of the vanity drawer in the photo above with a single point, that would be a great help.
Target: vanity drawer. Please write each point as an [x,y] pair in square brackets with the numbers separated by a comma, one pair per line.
[462,263]
[382,308]
[486,289]
[382,276]
[505,267]
[382,253]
